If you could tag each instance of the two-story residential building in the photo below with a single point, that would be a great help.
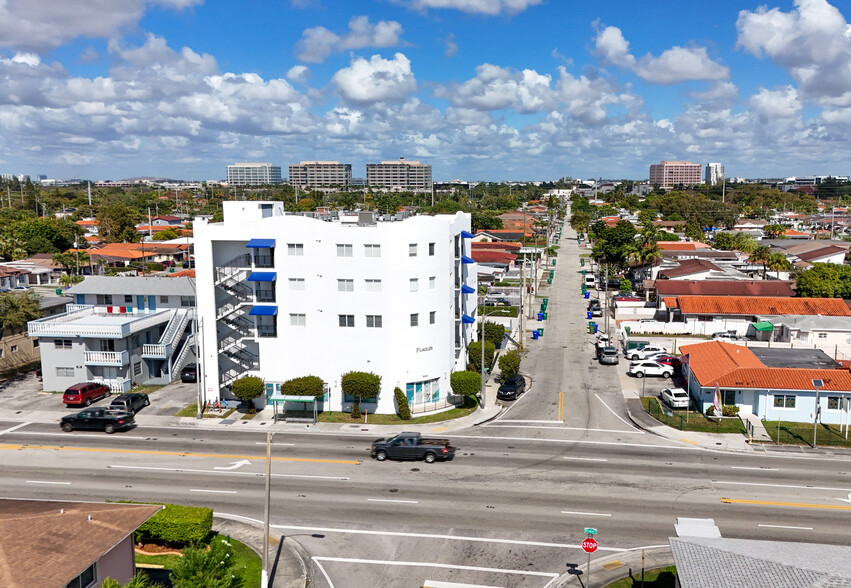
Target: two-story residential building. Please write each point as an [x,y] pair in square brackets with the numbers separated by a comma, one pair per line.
[124,331]
[284,296]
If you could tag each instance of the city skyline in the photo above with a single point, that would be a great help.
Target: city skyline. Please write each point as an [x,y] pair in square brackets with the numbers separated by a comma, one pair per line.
[479,89]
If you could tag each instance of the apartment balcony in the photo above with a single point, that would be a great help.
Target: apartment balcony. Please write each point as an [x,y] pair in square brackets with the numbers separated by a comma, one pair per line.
[156,351]
[116,385]
[106,358]
[95,322]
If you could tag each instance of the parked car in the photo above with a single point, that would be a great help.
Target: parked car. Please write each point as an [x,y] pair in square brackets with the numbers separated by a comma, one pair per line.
[645,352]
[725,336]
[84,393]
[500,302]
[613,284]
[627,298]
[609,356]
[98,419]
[412,446]
[512,388]
[590,282]
[675,397]
[131,402]
[667,359]
[650,368]
[189,373]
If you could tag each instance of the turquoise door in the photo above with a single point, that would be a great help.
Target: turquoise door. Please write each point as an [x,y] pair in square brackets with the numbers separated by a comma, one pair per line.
[140,303]
[152,302]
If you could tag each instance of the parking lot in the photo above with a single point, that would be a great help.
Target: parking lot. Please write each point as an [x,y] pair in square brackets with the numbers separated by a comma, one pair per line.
[23,394]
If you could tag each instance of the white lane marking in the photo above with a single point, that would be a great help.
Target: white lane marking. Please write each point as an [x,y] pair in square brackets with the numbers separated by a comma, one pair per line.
[15,428]
[324,573]
[213,491]
[586,458]
[846,499]
[77,435]
[428,564]
[781,486]
[390,500]
[47,482]
[585,514]
[275,444]
[529,421]
[786,527]
[587,442]
[437,584]
[234,465]
[256,474]
[761,469]
[498,424]
[619,417]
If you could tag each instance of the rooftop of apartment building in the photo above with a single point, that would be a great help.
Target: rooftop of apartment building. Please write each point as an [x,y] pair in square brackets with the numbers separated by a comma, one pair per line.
[160,286]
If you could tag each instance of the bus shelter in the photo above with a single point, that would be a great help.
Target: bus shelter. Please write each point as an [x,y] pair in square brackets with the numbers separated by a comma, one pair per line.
[281,401]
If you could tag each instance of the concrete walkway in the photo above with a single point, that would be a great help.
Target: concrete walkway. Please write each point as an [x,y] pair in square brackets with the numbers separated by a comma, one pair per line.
[606,570]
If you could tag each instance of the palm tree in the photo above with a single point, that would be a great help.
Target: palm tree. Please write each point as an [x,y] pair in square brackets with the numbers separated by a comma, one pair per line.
[777,262]
[11,250]
[760,254]
[744,242]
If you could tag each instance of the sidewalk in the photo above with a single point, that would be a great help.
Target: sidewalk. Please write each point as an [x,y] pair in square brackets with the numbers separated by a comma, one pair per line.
[605,570]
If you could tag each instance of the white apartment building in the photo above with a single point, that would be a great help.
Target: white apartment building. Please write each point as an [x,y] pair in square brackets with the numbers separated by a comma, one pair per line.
[253,174]
[320,174]
[675,173]
[284,296]
[399,176]
[714,174]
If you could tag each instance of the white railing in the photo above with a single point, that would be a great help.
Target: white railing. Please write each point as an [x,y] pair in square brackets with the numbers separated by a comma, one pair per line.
[114,358]
[181,356]
[76,307]
[71,324]
[157,350]
[116,386]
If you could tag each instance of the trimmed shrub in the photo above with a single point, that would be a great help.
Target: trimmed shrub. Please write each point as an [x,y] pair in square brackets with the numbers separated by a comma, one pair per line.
[154,266]
[465,383]
[402,407]
[206,568]
[730,411]
[710,411]
[494,332]
[248,388]
[474,355]
[360,385]
[178,524]
[509,364]
[304,386]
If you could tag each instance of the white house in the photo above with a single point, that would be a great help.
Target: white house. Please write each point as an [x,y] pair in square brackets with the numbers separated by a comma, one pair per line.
[284,296]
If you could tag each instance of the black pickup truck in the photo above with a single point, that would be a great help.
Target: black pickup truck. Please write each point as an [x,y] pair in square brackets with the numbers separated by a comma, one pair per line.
[412,446]
[98,419]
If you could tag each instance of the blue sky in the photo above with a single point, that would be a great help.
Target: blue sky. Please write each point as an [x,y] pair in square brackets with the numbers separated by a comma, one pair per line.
[481,89]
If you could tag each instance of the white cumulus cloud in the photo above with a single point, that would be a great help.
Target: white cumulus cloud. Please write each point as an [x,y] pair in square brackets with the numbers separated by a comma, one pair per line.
[774,104]
[318,43]
[376,80]
[488,7]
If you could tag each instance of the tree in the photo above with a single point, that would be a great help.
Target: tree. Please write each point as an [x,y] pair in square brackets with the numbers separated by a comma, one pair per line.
[693,229]
[484,221]
[777,262]
[248,388]
[11,250]
[774,231]
[166,235]
[403,409]
[825,280]
[494,333]
[646,218]
[509,364]
[44,235]
[760,255]
[466,383]
[17,309]
[723,241]
[744,242]
[361,385]
[140,580]
[71,262]
[580,221]
[474,355]
[613,245]
[304,386]
[206,568]
[117,223]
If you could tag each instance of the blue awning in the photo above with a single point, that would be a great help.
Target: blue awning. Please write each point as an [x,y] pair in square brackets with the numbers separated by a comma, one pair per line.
[467,289]
[263,311]
[466,235]
[261,243]
[467,319]
[465,259]
[262,276]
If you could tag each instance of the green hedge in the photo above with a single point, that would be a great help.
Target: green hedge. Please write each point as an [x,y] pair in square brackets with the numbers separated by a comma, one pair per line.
[179,524]
[304,386]
[402,406]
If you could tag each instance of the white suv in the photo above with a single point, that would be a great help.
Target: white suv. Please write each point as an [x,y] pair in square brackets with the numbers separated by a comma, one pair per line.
[650,368]
[645,352]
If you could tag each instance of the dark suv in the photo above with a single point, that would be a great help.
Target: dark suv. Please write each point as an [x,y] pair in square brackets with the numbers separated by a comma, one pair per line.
[512,388]
[189,373]
[85,393]
[131,402]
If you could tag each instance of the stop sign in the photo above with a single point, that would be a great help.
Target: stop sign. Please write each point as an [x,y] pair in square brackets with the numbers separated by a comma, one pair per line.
[589,545]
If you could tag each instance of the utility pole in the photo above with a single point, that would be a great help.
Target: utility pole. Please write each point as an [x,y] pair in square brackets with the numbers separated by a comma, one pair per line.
[264,578]
[522,298]
[89,192]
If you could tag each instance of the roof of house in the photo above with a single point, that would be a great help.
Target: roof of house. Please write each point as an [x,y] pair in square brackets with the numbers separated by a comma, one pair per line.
[502,234]
[500,246]
[774,288]
[817,254]
[69,536]
[187,273]
[484,256]
[671,224]
[699,254]
[688,267]
[681,245]
[168,217]
[745,305]
[140,285]
[794,233]
[735,366]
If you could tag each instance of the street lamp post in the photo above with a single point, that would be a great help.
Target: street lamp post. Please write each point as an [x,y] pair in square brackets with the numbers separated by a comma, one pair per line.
[816,384]
[264,578]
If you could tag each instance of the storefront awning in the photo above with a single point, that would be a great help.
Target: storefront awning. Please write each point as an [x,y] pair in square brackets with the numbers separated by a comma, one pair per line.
[263,311]
[262,276]
[261,244]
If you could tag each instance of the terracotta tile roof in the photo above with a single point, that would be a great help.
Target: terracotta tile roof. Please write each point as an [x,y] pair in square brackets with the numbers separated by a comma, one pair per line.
[681,245]
[501,246]
[492,257]
[688,267]
[748,306]
[794,233]
[60,545]
[734,366]
[87,223]
[773,288]
[187,273]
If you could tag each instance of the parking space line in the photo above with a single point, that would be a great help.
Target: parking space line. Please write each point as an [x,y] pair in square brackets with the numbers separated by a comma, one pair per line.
[15,428]
[585,514]
[212,491]
[786,527]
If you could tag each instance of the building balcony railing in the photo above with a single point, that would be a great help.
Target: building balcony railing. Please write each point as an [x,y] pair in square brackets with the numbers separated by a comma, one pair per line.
[76,323]
[264,261]
[267,331]
[265,296]
[106,358]
[155,351]
[116,385]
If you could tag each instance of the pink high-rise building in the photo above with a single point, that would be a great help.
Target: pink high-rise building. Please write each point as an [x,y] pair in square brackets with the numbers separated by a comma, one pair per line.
[674,173]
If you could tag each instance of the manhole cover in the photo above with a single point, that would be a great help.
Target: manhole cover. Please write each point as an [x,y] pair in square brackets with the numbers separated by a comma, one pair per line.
[612,565]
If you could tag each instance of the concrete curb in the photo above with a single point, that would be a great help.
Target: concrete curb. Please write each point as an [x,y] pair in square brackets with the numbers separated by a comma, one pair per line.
[654,557]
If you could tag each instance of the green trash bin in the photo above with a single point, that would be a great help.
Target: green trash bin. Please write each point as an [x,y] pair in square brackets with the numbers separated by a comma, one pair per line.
[545,316]
[59,291]
[541,332]
[546,300]
[583,272]
[627,329]
[590,328]
[581,263]
[549,281]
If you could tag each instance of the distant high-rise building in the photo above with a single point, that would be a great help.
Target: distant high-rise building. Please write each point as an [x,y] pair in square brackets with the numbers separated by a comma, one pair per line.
[400,176]
[320,174]
[714,173]
[675,173]
[253,174]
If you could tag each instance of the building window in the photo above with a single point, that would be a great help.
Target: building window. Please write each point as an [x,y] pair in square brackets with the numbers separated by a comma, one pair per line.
[163,299]
[346,320]
[344,250]
[296,249]
[298,320]
[35,342]
[412,250]
[137,368]
[64,372]
[431,249]
[415,320]
[419,393]
[104,298]
[784,401]
[432,317]
[373,321]
[432,283]
[345,285]
[373,285]
[833,403]
[63,344]
[415,284]
[187,301]
[84,580]
[296,283]
[128,298]
[822,335]
[14,349]
[2,353]
[372,250]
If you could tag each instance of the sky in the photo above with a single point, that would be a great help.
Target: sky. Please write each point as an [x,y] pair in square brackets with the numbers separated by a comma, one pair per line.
[494,90]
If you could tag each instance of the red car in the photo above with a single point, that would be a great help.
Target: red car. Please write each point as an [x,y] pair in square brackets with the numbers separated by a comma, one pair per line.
[85,393]
[671,360]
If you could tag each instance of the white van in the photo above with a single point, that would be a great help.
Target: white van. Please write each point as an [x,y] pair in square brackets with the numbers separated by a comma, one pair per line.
[590,281]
